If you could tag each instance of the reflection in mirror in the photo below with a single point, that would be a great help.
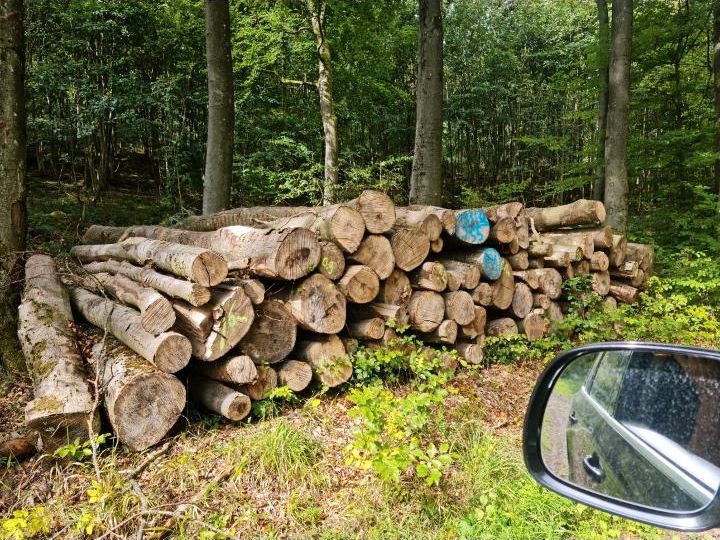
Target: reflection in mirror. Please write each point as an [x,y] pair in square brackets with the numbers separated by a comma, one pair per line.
[637,426]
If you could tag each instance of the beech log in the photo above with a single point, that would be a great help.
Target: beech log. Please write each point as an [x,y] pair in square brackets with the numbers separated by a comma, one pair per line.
[482,294]
[469,273]
[359,284]
[409,246]
[500,327]
[327,356]
[373,328]
[62,403]
[618,252]
[446,332]
[316,303]
[427,222]
[219,398]
[472,226]
[169,351]
[447,217]
[624,293]
[503,288]
[267,380]
[522,302]
[294,374]
[459,307]
[534,325]
[142,402]
[582,212]
[396,289]
[332,261]
[471,352]
[375,252]
[601,283]
[426,310]
[431,276]
[488,260]
[238,369]
[271,337]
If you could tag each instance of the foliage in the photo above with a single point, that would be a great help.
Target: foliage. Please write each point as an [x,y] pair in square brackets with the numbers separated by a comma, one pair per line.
[25,524]
[273,402]
[79,450]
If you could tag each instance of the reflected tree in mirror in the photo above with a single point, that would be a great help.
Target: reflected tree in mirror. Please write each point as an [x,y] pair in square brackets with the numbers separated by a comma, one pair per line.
[637,426]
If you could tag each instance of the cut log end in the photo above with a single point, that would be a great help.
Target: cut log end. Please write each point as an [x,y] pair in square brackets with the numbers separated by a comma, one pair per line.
[377,209]
[173,352]
[296,375]
[298,254]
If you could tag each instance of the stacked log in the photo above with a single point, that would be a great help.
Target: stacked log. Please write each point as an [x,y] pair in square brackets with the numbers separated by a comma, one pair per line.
[248,299]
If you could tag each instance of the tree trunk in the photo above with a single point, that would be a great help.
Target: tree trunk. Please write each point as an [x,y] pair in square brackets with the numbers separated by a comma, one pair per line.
[62,402]
[221,107]
[324,85]
[272,336]
[426,178]
[716,81]
[169,351]
[194,294]
[12,175]
[427,222]
[142,403]
[603,75]
[616,177]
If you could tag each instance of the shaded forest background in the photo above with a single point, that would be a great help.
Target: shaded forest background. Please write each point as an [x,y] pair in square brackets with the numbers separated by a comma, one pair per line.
[117,96]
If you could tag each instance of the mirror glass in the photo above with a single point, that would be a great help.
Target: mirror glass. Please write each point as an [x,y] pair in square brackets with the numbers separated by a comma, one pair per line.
[638,426]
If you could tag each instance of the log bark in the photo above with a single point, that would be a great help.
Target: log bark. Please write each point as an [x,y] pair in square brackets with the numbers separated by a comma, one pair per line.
[316,303]
[237,369]
[601,283]
[156,311]
[192,293]
[476,328]
[198,265]
[582,240]
[624,293]
[643,254]
[519,261]
[102,234]
[267,380]
[271,253]
[471,352]
[430,276]
[396,289]
[539,249]
[488,260]
[510,210]
[332,261]
[447,217]
[503,288]
[101,252]
[582,212]
[410,247]
[294,374]
[359,284]
[376,252]
[459,307]
[446,332]
[327,356]
[618,252]
[426,310]
[472,226]
[522,302]
[503,231]
[272,335]
[482,294]
[468,273]
[224,320]
[534,325]
[599,262]
[62,404]
[427,222]
[373,328]
[398,314]
[142,402]
[501,327]
[558,259]
[219,398]
[169,351]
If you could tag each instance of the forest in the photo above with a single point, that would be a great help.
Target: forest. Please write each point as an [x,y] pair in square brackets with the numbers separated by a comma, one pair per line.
[136,133]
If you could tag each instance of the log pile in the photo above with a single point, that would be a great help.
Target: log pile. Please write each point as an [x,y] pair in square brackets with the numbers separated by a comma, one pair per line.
[238,303]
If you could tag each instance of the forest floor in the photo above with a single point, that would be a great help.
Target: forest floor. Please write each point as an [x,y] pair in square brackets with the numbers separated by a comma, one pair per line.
[285,476]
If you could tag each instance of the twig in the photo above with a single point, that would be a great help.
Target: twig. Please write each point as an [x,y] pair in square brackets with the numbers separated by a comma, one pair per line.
[143,507]
[137,471]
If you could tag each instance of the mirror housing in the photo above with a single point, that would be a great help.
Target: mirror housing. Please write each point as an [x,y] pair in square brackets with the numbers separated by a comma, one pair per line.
[690,521]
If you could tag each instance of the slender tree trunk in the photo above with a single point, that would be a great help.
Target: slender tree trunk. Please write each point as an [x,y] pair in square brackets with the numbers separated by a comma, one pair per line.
[220,138]
[12,175]
[604,58]
[616,178]
[317,14]
[426,178]
[716,75]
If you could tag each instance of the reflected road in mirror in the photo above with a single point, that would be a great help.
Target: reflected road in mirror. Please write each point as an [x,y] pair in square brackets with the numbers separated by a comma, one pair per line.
[637,426]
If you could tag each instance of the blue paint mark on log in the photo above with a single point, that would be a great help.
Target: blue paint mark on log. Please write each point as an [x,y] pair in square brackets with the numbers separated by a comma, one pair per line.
[472,226]
[491,263]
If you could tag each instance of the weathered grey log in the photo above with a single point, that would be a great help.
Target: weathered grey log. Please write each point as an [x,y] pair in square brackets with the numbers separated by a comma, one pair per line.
[219,398]
[426,310]
[294,374]
[316,303]
[582,212]
[327,356]
[62,404]
[235,369]
[142,402]
[271,337]
[169,351]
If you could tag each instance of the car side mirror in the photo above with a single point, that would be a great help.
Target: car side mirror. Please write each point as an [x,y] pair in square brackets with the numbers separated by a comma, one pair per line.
[632,429]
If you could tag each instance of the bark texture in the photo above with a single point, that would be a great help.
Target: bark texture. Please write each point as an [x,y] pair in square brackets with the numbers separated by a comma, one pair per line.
[616,180]
[221,107]
[603,75]
[426,178]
